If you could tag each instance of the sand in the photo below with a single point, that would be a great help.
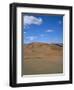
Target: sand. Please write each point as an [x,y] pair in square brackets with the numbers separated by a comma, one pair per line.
[42,58]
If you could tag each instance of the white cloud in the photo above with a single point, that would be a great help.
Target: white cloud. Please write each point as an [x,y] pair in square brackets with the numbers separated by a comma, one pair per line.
[49,30]
[31,37]
[28,20]
[24,32]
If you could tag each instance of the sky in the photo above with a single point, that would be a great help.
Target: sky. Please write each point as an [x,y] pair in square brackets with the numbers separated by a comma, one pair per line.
[42,28]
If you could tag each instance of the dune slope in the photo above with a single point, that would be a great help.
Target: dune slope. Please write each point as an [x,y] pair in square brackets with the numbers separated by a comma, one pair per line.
[42,58]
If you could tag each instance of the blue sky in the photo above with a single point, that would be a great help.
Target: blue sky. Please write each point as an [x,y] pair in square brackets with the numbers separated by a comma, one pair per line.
[42,28]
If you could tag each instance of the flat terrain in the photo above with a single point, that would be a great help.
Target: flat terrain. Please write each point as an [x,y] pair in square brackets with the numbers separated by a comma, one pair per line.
[42,58]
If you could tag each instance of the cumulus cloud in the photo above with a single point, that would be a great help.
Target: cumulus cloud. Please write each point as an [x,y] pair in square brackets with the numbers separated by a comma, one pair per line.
[49,30]
[29,20]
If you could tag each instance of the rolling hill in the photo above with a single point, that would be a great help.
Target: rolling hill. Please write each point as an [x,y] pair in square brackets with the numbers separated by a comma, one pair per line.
[42,58]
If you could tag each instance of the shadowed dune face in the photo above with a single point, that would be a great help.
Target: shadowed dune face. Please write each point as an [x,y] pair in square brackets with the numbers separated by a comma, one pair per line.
[42,58]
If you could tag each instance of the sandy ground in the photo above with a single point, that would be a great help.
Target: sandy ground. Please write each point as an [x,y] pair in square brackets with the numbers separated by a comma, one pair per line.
[40,58]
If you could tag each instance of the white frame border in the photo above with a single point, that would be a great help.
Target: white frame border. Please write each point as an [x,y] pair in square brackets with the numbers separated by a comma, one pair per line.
[49,77]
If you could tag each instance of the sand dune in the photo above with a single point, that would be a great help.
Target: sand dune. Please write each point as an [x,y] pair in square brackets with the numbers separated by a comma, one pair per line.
[42,58]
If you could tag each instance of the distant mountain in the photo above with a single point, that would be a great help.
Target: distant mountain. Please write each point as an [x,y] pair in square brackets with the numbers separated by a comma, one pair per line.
[41,43]
[59,44]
